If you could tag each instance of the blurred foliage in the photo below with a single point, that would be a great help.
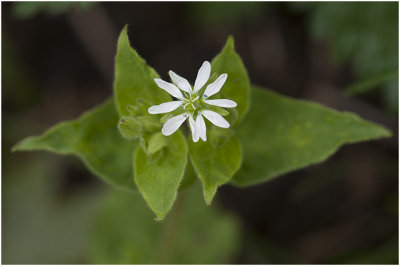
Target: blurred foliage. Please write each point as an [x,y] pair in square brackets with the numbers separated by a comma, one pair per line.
[126,233]
[39,225]
[364,33]
[27,10]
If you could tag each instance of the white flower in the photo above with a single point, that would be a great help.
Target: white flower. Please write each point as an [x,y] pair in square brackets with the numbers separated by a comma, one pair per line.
[193,105]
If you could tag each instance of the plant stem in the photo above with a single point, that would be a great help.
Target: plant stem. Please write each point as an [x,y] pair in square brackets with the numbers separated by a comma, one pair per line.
[169,233]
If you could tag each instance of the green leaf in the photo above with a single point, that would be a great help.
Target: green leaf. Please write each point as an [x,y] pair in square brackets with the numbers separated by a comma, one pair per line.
[237,85]
[134,79]
[95,139]
[280,135]
[215,161]
[124,232]
[158,176]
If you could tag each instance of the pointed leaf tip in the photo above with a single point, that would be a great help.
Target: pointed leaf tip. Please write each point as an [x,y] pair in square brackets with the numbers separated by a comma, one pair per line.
[230,43]
[209,192]
[211,163]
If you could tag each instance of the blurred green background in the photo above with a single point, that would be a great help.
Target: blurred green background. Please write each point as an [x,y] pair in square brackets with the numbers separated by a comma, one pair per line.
[57,62]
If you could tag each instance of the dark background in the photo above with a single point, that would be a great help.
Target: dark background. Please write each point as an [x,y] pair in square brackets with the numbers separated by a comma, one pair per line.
[57,61]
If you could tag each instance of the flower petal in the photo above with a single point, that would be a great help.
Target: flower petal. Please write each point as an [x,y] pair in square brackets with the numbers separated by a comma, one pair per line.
[193,128]
[222,103]
[182,83]
[215,118]
[164,107]
[201,127]
[173,124]
[202,76]
[170,88]
[216,86]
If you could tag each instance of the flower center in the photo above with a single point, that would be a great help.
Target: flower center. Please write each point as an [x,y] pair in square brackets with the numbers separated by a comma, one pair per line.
[191,103]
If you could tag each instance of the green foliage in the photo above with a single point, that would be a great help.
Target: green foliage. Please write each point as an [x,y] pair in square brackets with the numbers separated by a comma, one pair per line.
[280,135]
[215,161]
[365,34]
[371,83]
[41,223]
[158,176]
[192,234]
[95,139]
[237,85]
[134,79]
[156,142]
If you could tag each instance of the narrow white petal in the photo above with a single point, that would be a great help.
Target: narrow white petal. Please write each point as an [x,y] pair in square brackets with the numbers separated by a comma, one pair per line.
[215,118]
[202,76]
[193,128]
[222,103]
[164,107]
[216,86]
[170,88]
[182,83]
[201,127]
[173,124]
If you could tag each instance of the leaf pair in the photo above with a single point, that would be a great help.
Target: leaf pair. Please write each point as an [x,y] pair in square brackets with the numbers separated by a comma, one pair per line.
[278,135]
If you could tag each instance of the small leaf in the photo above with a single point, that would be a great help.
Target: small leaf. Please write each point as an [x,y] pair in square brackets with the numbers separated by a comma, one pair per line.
[130,128]
[95,139]
[157,141]
[215,161]
[158,177]
[237,85]
[134,79]
[280,135]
